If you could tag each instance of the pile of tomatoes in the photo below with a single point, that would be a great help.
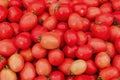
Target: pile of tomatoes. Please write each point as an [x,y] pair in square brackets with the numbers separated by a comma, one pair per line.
[59,39]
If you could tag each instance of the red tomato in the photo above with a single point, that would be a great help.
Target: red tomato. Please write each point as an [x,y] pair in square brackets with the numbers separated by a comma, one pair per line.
[116,15]
[117,45]
[3,13]
[16,28]
[3,62]
[82,38]
[27,54]
[97,44]
[84,52]
[41,78]
[91,67]
[69,51]
[115,4]
[23,40]
[56,57]
[7,74]
[28,21]
[50,2]
[43,17]
[101,31]
[109,73]
[43,67]
[70,37]
[7,48]
[52,8]
[65,66]
[6,30]
[50,40]
[83,77]
[17,3]
[4,3]
[75,21]
[62,12]
[38,51]
[116,62]
[102,60]
[50,23]
[80,8]
[91,2]
[106,7]
[56,75]
[86,24]
[16,62]
[28,72]
[63,26]
[69,77]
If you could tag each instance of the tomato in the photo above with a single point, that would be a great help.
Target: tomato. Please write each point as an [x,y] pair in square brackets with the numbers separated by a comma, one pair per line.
[14,14]
[50,23]
[75,21]
[102,60]
[56,75]
[17,3]
[115,4]
[43,67]
[69,51]
[116,61]
[110,49]
[86,24]
[37,7]
[69,77]
[91,67]
[28,72]
[63,26]
[41,78]
[62,12]
[65,66]
[50,2]
[117,44]
[106,7]
[78,67]
[108,73]
[97,44]
[65,1]
[3,62]
[7,48]
[83,77]
[28,21]
[70,37]
[7,74]
[91,3]
[3,13]
[56,57]
[50,40]
[16,28]
[93,12]
[43,17]
[84,52]
[38,51]
[116,15]
[101,31]
[6,30]
[52,8]
[82,38]
[80,8]
[16,62]
[4,3]
[27,54]
[23,40]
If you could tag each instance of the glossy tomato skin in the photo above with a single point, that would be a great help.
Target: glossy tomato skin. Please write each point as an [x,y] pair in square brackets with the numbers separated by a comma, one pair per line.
[26,54]
[56,57]
[16,28]
[63,26]
[28,69]
[69,51]
[106,7]
[7,47]
[3,62]
[8,74]
[101,31]
[16,62]
[80,8]
[38,51]
[23,40]
[43,17]
[65,66]
[28,21]
[56,75]
[116,61]
[43,67]
[116,15]
[3,13]
[97,44]
[116,5]
[62,12]
[70,37]
[92,3]
[17,3]
[41,78]
[50,40]
[69,78]
[84,52]
[105,74]
[117,45]
[102,60]
[6,30]
[91,67]
[83,77]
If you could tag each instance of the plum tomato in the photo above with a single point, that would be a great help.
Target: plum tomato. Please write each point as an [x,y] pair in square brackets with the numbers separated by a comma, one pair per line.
[3,13]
